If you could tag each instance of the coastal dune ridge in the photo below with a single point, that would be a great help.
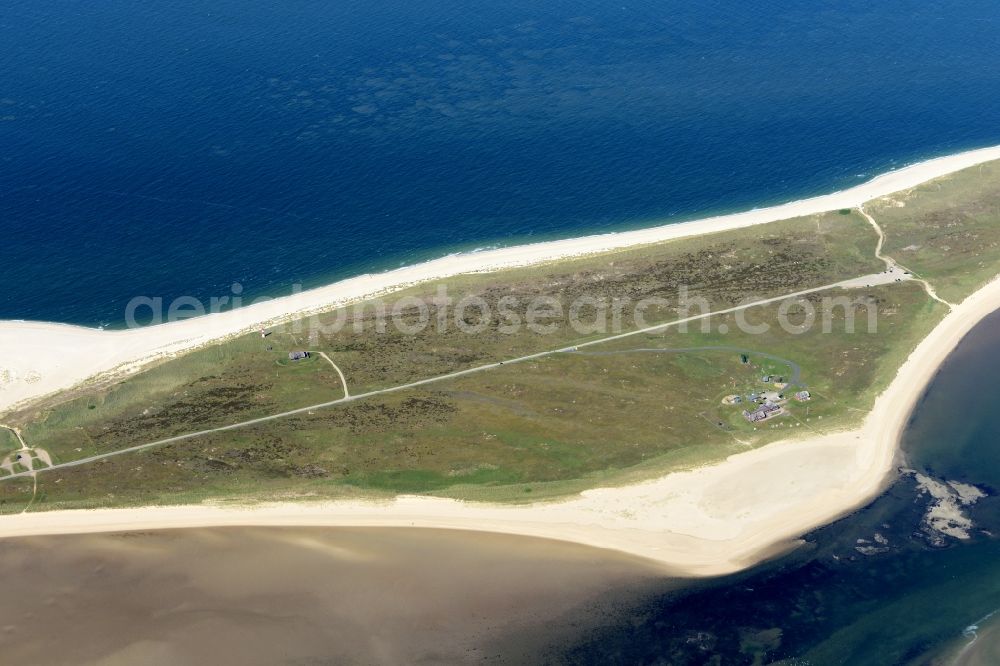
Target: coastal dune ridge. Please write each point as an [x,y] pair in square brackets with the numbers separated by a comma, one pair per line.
[708,521]
[41,358]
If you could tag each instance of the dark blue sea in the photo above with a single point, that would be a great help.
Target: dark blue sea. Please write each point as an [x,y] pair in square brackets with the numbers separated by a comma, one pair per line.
[174,148]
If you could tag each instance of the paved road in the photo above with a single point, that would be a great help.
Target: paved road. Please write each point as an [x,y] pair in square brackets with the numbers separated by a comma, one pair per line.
[862,281]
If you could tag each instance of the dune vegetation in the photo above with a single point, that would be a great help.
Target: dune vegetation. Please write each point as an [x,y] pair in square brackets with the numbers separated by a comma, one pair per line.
[598,414]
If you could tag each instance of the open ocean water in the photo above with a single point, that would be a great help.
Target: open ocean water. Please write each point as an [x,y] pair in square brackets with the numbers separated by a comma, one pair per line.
[174,148]
[168,149]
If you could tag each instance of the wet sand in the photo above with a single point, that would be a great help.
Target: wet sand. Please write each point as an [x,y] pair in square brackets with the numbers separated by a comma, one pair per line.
[707,521]
[307,596]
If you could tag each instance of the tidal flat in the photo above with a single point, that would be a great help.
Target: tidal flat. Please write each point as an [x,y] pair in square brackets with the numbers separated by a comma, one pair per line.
[308,596]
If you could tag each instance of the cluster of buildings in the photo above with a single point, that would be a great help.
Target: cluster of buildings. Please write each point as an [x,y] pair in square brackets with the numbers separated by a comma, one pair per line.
[771,405]
[765,404]
[762,413]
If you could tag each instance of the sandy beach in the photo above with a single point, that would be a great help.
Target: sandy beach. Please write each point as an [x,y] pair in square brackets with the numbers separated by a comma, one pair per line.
[707,521]
[37,358]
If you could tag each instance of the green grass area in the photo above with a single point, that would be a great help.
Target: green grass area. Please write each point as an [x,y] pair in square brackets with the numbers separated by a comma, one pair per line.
[238,380]
[241,378]
[844,370]
[946,230]
[8,442]
[15,495]
[608,414]
[538,429]
[722,268]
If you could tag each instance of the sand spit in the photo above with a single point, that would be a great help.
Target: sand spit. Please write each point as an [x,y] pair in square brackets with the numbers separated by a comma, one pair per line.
[38,358]
[708,521]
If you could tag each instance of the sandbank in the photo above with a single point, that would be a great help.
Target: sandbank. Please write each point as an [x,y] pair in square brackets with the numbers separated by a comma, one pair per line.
[708,521]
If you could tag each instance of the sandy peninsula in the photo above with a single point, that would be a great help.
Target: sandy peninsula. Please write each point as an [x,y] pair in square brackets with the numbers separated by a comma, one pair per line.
[708,521]
[712,520]
[41,358]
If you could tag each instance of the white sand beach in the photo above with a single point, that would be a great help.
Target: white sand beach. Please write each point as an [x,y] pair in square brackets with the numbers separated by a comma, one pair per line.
[708,521]
[40,358]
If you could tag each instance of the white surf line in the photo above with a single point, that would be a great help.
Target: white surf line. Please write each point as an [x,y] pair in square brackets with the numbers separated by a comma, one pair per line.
[347,394]
[28,347]
[972,631]
[862,281]
[891,263]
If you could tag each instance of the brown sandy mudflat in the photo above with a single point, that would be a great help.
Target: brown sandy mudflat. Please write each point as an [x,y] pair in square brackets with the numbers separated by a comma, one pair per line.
[305,596]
